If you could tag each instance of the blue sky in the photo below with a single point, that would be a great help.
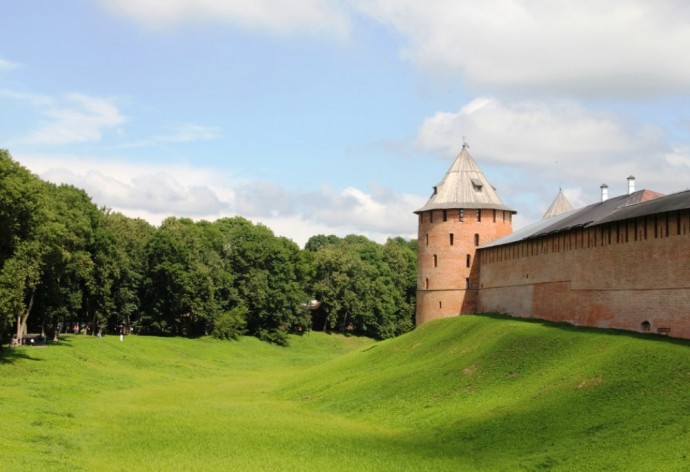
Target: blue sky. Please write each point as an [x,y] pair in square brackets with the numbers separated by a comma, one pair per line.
[328,116]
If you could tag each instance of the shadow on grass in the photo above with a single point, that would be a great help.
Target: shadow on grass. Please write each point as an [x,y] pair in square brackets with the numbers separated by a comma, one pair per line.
[587,329]
[9,355]
[65,340]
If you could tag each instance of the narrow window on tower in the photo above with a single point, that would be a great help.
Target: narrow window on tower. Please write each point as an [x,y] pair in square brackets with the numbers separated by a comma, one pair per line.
[494,216]
[426,283]
[452,238]
[435,260]
[479,216]
[426,239]
[462,215]
[504,216]
[476,239]
[468,260]
[440,305]
[445,215]
[467,282]
[431,216]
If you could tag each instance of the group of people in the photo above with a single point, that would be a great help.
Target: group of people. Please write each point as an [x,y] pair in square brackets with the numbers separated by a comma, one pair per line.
[41,339]
[31,340]
[86,329]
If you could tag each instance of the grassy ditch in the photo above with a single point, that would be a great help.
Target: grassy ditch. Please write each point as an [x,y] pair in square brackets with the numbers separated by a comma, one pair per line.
[470,393]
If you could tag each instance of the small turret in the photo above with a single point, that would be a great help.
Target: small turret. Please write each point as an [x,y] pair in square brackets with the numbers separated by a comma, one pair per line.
[559,205]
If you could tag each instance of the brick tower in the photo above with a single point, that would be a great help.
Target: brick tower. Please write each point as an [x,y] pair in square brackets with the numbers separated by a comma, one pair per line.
[463,212]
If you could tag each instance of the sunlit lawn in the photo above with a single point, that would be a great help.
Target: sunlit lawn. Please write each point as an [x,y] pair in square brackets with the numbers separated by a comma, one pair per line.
[473,393]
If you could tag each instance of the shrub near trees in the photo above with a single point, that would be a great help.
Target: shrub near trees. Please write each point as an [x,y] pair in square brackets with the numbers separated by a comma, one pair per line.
[65,262]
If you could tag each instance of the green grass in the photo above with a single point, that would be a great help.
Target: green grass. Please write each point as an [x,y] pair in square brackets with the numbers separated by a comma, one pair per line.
[470,393]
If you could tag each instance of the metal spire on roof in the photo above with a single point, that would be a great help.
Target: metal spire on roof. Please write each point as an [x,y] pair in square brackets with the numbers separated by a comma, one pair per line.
[464,143]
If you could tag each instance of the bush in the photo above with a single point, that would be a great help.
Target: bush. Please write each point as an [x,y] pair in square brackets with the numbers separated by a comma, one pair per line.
[273,336]
[230,324]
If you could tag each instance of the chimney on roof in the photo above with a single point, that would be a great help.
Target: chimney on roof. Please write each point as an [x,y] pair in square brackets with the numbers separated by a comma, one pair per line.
[631,184]
[604,192]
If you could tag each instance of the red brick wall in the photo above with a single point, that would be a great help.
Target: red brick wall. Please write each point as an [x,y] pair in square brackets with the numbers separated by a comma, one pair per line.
[609,276]
[442,270]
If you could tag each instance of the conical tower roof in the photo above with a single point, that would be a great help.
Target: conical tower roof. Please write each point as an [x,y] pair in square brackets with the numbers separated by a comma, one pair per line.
[464,186]
[559,205]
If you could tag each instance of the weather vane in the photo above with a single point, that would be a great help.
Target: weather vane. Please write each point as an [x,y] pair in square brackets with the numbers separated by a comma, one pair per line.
[464,143]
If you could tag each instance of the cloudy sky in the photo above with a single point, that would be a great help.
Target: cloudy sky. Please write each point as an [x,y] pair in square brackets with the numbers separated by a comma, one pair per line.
[338,116]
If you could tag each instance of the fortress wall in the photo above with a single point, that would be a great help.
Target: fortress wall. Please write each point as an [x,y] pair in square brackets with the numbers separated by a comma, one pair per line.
[448,272]
[617,275]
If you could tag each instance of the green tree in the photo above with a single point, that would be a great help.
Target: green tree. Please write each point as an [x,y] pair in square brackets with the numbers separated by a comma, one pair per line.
[182,278]
[69,288]
[23,203]
[401,257]
[266,271]
[19,280]
[130,238]
[363,286]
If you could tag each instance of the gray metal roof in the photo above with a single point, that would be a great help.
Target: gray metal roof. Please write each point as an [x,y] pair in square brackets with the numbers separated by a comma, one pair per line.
[559,205]
[672,202]
[464,186]
[528,231]
[640,203]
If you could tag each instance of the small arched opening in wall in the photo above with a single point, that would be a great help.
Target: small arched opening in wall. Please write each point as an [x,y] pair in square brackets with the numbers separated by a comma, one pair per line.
[645,326]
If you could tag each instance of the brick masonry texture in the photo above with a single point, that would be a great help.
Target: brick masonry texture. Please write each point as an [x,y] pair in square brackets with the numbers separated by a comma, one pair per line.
[632,274]
[447,240]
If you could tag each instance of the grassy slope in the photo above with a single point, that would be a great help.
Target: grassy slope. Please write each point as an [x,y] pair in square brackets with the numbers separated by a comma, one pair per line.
[471,393]
[500,394]
[151,403]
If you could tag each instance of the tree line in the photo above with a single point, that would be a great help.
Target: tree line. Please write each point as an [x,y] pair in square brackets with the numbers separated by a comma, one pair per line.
[66,264]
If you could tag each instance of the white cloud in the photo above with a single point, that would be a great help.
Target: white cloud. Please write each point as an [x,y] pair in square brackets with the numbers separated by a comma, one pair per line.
[156,192]
[377,210]
[185,133]
[168,188]
[616,48]
[276,16]
[189,132]
[31,98]
[7,65]
[528,149]
[377,213]
[77,118]
[540,134]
